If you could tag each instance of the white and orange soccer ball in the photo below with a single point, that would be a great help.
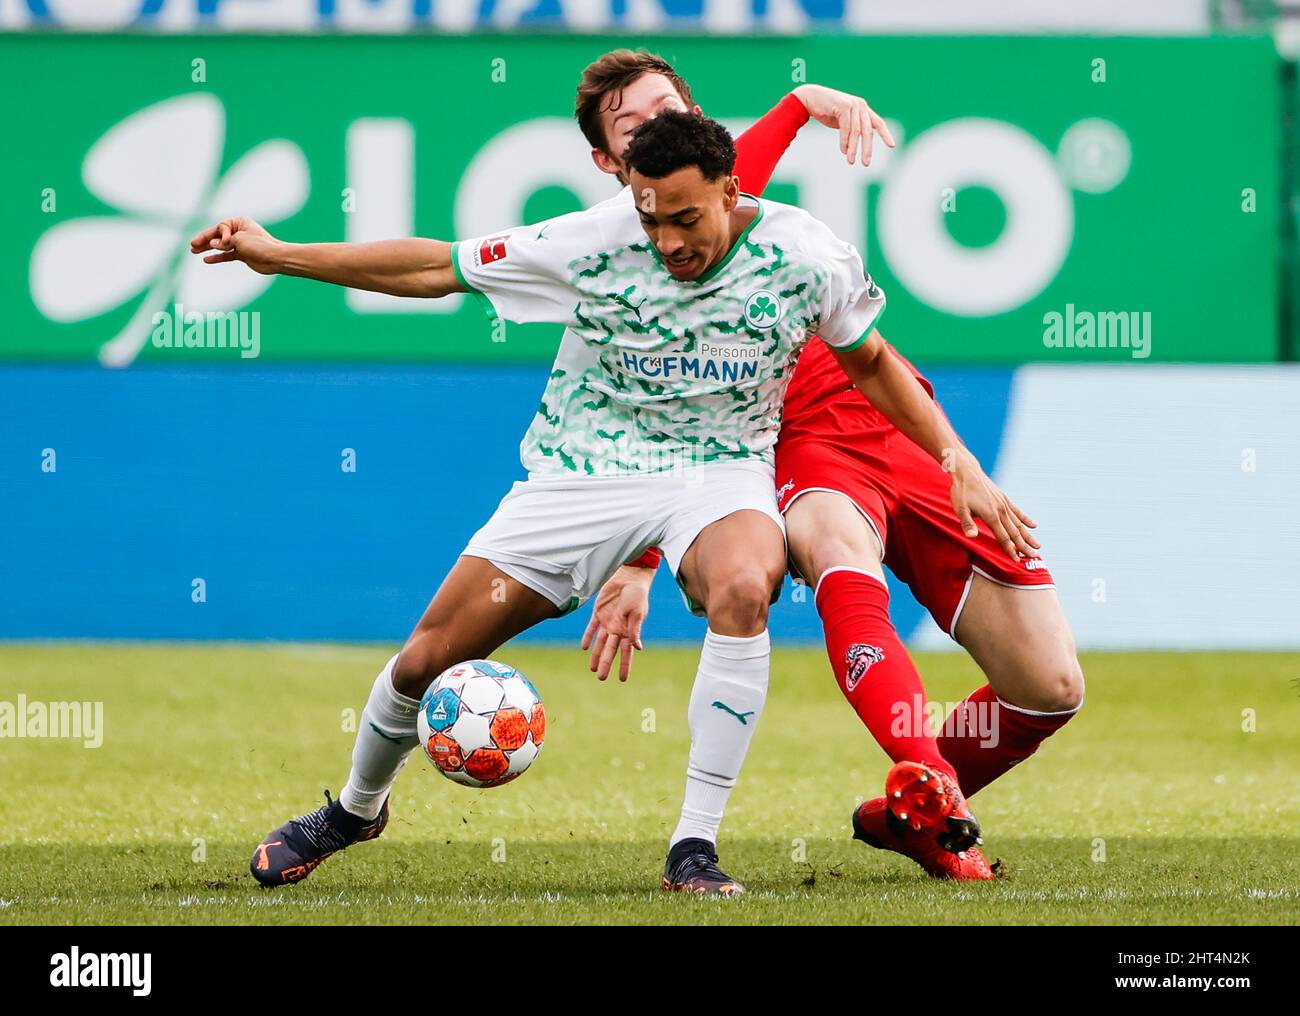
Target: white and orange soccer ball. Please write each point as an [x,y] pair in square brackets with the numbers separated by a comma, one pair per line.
[481,723]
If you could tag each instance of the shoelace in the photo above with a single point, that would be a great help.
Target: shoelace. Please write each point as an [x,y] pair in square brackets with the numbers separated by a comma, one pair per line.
[699,858]
[321,834]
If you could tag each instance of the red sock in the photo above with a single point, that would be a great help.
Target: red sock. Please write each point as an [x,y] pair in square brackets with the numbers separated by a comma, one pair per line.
[985,736]
[873,668]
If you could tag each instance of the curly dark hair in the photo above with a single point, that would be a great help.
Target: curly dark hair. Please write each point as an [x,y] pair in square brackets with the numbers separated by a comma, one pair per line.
[673,141]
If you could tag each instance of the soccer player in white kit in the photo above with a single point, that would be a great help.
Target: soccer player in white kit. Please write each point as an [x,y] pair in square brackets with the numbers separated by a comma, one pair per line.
[686,304]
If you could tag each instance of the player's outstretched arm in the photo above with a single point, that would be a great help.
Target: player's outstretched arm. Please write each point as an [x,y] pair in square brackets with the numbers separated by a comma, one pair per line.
[411,267]
[761,147]
[896,393]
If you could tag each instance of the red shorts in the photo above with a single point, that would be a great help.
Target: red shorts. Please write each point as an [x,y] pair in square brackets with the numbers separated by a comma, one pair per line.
[847,447]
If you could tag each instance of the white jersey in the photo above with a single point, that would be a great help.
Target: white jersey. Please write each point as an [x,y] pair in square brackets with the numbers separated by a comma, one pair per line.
[654,372]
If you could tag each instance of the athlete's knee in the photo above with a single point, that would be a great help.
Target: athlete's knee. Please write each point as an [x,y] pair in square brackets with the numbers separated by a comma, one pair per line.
[1058,683]
[836,551]
[739,601]
[817,549]
[1068,681]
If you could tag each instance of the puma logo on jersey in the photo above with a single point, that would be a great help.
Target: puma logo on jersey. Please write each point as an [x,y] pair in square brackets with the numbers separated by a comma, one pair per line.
[860,657]
[635,308]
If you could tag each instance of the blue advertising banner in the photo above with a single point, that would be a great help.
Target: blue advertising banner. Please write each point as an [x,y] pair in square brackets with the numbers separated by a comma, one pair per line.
[328,503]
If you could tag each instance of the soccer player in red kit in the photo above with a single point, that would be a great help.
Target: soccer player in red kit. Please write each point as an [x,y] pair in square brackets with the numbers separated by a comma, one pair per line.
[857,494]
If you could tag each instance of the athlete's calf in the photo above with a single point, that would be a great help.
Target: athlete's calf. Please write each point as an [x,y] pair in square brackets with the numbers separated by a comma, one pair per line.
[731,570]
[1020,638]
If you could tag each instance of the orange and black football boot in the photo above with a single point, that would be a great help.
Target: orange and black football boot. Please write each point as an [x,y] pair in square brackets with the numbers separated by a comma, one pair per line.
[296,849]
[693,868]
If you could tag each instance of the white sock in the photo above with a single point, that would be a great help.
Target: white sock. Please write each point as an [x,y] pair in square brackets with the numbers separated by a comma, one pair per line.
[385,736]
[733,674]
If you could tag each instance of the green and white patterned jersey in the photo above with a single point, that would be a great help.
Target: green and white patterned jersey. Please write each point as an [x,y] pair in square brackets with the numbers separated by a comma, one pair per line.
[655,373]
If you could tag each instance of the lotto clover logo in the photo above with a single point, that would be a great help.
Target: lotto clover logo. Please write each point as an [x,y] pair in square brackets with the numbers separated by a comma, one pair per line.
[159,168]
[763,309]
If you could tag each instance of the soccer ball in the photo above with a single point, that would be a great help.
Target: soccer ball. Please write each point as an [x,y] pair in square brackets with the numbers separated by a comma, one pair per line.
[481,723]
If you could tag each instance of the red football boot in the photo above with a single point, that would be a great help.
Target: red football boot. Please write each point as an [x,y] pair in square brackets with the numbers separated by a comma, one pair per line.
[875,825]
[928,801]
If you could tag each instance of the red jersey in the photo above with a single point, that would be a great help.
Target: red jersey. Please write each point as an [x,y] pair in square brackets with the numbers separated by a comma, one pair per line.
[818,382]
[818,379]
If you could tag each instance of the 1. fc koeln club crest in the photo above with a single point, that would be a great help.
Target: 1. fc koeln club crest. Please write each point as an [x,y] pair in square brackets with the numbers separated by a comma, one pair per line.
[860,657]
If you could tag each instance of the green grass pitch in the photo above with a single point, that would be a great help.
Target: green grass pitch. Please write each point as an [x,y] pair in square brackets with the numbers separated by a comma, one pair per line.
[1153,806]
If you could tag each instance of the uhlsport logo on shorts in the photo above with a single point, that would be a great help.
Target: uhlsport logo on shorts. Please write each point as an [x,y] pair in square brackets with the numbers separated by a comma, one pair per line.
[763,309]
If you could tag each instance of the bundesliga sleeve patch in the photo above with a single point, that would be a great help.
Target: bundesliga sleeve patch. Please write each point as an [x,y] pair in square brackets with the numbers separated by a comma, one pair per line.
[491,249]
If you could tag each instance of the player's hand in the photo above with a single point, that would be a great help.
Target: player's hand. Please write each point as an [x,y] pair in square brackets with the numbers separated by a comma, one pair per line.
[616,618]
[849,114]
[974,495]
[238,239]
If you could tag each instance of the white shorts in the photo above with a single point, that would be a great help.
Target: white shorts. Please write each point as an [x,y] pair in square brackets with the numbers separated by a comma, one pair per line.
[564,536]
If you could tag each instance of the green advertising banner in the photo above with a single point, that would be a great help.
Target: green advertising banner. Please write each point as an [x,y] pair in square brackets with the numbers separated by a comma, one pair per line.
[1049,200]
